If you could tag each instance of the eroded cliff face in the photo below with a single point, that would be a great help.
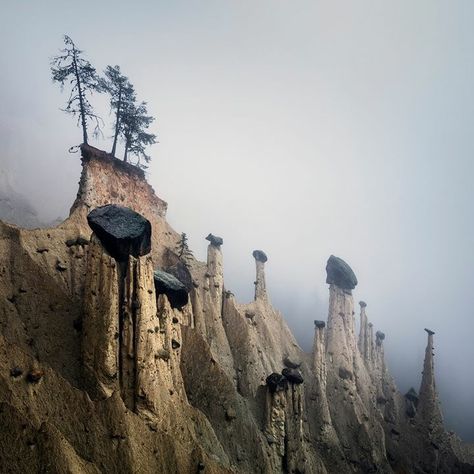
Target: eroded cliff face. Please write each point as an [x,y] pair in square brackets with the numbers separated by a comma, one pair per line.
[102,371]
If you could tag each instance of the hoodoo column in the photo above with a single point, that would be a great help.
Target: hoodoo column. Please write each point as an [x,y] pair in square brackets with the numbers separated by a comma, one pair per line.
[364,334]
[320,374]
[215,269]
[341,342]
[428,406]
[260,286]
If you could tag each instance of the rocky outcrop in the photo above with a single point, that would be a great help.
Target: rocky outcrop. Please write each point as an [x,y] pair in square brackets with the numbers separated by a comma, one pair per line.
[118,355]
[107,180]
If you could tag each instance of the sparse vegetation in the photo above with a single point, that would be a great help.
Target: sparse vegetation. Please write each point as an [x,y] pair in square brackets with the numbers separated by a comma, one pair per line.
[71,68]
[121,94]
[133,128]
[132,120]
[183,249]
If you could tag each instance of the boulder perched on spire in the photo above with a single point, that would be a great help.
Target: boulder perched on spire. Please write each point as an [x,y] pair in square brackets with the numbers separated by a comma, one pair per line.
[214,240]
[340,274]
[319,324]
[121,231]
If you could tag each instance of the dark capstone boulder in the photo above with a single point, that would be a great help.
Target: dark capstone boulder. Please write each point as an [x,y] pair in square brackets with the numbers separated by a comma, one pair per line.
[379,337]
[260,256]
[429,331]
[319,324]
[293,375]
[276,382]
[292,364]
[340,274]
[363,304]
[214,240]
[182,273]
[412,395]
[175,291]
[121,230]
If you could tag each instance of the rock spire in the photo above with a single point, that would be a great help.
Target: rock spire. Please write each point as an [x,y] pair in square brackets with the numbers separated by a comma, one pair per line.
[428,406]
[103,367]
[260,286]
[364,334]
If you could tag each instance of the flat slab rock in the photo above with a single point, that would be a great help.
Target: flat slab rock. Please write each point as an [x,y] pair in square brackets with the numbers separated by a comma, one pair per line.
[340,274]
[121,230]
[169,285]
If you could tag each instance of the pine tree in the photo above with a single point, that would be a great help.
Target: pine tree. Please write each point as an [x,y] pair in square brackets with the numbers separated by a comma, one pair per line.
[183,247]
[121,93]
[134,123]
[71,68]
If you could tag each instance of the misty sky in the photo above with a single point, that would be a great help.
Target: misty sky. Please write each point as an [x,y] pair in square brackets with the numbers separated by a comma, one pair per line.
[303,128]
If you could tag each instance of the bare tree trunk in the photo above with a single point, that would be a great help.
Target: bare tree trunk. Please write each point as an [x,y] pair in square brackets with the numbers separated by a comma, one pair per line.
[81,99]
[117,121]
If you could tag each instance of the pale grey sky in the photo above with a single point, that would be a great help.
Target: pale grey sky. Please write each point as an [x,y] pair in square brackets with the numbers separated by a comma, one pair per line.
[304,128]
